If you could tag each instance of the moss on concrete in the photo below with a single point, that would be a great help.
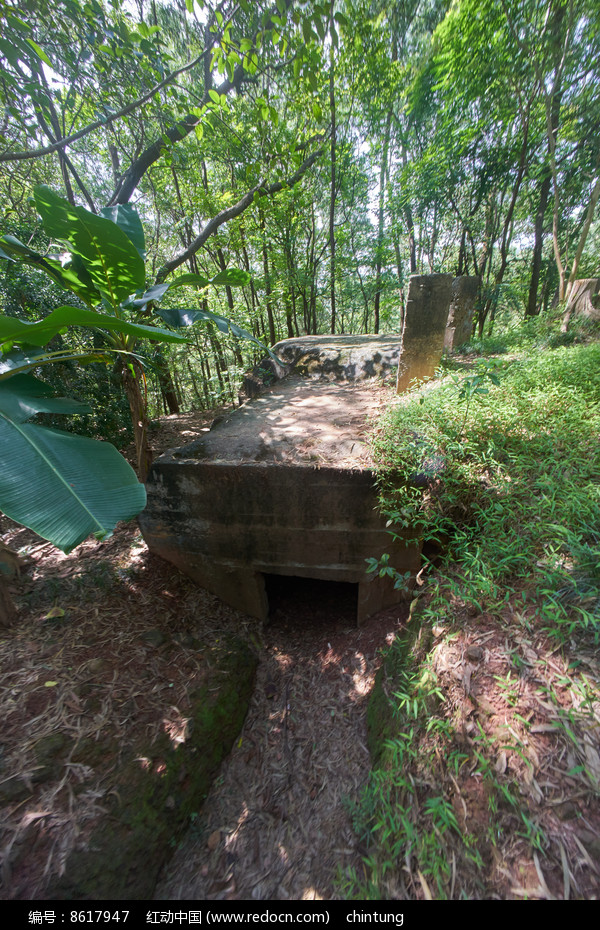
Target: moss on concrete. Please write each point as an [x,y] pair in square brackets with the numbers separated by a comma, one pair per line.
[157,790]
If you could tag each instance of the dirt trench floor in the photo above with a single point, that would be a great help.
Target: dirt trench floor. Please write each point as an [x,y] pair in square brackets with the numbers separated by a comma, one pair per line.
[276,823]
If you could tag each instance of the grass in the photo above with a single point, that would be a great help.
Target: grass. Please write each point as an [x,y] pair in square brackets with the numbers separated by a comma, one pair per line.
[483,755]
[518,497]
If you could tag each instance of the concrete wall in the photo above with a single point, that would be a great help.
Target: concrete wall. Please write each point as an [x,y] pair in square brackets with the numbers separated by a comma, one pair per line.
[225,525]
[424,329]
[332,358]
[462,310]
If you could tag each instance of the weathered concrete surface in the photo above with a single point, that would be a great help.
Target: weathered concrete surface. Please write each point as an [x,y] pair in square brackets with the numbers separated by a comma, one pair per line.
[341,358]
[424,328]
[283,486]
[331,358]
[462,309]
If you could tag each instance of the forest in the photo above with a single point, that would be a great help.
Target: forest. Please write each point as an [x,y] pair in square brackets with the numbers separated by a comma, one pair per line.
[185,183]
[328,150]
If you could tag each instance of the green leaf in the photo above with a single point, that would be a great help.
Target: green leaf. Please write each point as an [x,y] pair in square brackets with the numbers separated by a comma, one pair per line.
[178,316]
[40,333]
[20,362]
[234,277]
[64,487]
[41,54]
[198,279]
[128,219]
[22,396]
[71,276]
[110,258]
[154,293]
[307,31]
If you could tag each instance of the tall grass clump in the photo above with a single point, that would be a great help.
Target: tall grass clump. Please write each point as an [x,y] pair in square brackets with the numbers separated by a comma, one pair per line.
[509,453]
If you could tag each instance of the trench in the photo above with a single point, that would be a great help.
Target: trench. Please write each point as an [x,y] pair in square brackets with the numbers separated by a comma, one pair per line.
[277,822]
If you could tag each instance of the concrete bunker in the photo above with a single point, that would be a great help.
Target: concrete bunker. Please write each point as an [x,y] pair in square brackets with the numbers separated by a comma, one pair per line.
[284,486]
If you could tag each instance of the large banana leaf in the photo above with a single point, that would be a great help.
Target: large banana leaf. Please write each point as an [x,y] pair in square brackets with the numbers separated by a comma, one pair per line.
[16,362]
[22,396]
[62,486]
[40,333]
[71,276]
[128,219]
[110,257]
[182,317]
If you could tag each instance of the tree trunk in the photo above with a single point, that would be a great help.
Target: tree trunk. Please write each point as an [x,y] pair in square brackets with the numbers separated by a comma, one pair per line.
[380,221]
[582,301]
[536,264]
[167,386]
[589,216]
[8,611]
[265,255]
[461,268]
[492,301]
[139,419]
[332,194]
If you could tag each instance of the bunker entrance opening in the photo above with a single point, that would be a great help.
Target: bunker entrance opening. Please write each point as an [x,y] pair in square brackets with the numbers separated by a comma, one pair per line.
[307,601]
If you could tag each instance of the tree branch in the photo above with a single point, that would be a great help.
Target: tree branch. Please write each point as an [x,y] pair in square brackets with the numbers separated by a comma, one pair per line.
[176,133]
[232,212]
[105,121]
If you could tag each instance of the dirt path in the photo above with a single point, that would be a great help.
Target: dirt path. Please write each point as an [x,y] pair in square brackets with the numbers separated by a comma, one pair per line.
[276,824]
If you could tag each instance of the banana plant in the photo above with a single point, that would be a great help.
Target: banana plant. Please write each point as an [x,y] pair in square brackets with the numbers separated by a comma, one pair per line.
[64,486]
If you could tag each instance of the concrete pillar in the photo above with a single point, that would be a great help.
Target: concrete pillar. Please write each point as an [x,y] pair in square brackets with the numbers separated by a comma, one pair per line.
[424,327]
[462,309]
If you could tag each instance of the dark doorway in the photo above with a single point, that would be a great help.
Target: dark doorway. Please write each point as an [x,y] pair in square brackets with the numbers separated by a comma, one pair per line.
[309,601]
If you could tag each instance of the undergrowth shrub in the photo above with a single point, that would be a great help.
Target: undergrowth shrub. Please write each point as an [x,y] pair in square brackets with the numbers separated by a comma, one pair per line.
[499,465]
[515,495]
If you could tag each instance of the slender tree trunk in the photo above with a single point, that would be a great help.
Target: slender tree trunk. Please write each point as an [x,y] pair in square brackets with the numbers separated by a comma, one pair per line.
[380,221]
[492,301]
[538,245]
[253,297]
[265,255]
[595,196]
[167,386]
[552,105]
[589,216]
[461,268]
[332,195]
[194,384]
[312,307]
[410,225]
